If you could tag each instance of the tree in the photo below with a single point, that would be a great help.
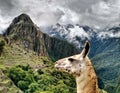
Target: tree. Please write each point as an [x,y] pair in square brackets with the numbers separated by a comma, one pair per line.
[16,74]
[33,87]
[23,85]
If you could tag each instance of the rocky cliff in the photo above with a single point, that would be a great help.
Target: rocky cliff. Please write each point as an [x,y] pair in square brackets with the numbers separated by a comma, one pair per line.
[25,33]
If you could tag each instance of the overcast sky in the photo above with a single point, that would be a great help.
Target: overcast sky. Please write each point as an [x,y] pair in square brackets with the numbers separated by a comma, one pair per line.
[98,13]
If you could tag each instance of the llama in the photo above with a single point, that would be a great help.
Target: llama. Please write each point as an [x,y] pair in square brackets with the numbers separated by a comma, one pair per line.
[82,69]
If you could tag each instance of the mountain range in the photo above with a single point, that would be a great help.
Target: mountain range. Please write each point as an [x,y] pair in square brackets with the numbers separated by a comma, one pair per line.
[25,33]
[27,60]
[105,47]
[25,44]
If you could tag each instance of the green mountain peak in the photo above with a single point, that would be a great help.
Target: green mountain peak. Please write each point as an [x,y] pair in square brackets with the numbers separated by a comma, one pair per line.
[25,33]
[22,18]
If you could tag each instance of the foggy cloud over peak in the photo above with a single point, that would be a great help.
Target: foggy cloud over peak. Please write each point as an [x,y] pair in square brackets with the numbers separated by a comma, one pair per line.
[97,13]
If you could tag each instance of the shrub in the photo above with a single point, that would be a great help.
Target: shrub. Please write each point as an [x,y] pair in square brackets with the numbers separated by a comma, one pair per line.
[23,85]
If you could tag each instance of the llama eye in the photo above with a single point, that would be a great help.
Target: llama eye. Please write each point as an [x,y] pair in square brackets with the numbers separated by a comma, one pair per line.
[71,59]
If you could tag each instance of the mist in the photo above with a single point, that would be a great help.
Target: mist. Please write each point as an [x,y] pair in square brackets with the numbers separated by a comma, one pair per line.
[95,13]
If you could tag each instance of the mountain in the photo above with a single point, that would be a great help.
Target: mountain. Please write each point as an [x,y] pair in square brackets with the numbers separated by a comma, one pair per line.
[26,57]
[25,33]
[25,60]
[23,71]
[71,33]
[75,34]
[107,63]
[105,48]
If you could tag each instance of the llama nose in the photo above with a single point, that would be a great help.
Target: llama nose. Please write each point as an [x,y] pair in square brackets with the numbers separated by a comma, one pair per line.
[56,65]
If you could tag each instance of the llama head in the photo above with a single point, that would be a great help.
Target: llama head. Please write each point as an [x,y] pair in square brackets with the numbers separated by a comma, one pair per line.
[76,64]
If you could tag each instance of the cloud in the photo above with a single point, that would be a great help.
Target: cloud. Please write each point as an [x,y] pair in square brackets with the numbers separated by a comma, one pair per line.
[81,6]
[49,12]
[103,35]
[8,7]
[8,4]
[4,23]
[97,13]
[103,13]
[68,16]
[43,12]
[78,31]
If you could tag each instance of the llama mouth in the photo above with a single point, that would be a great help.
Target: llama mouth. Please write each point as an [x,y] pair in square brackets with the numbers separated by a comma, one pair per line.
[58,67]
[62,68]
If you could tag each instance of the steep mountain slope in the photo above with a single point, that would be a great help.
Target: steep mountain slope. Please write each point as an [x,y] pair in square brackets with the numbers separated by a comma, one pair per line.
[25,46]
[14,61]
[26,34]
[23,31]
[107,61]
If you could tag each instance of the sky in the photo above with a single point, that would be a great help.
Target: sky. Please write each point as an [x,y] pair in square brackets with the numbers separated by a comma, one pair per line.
[95,13]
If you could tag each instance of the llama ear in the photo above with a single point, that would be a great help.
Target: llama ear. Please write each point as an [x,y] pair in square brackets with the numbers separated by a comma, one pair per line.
[85,49]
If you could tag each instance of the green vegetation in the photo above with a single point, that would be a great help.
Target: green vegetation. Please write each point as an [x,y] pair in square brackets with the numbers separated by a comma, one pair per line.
[42,80]
[23,57]
[58,48]
[108,70]
[34,74]
[7,86]
[107,64]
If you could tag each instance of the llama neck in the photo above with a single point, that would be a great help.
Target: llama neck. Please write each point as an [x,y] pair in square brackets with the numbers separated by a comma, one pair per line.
[87,82]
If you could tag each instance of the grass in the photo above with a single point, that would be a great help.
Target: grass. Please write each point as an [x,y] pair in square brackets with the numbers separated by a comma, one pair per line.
[14,55]
[2,67]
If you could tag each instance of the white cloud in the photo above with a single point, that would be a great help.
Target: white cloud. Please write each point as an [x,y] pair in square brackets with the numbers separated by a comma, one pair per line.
[106,9]
[4,23]
[47,12]
[109,35]
[98,13]
[78,31]
[101,8]
[69,16]
[102,14]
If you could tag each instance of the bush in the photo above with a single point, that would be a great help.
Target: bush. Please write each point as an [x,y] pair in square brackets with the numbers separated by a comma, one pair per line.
[46,81]
[16,74]
[33,87]
[23,85]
